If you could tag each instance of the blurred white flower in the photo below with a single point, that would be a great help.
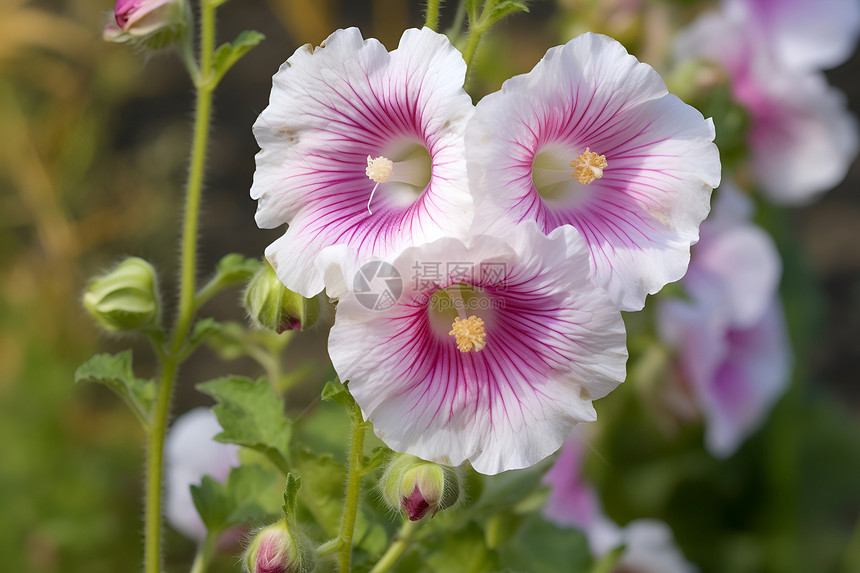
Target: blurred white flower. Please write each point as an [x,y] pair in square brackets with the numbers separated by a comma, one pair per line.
[191,453]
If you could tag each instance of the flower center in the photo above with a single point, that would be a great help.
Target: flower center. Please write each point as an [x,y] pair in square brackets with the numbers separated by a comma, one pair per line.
[470,334]
[379,169]
[406,175]
[588,166]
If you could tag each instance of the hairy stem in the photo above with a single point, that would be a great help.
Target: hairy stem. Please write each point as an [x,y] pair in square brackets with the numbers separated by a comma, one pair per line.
[353,490]
[432,18]
[172,358]
[204,554]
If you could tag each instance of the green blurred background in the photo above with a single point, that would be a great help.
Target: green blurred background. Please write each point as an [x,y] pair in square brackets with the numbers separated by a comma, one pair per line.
[92,163]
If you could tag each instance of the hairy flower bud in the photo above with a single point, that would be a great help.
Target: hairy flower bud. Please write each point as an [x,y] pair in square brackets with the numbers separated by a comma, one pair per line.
[273,550]
[417,487]
[126,298]
[155,23]
[272,306]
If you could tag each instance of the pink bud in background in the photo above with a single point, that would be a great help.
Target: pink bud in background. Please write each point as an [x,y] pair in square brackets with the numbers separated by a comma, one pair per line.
[144,19]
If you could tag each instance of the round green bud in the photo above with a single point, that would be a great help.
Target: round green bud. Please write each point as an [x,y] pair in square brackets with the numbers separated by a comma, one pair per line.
[272,306]
[418,488]
[126,298]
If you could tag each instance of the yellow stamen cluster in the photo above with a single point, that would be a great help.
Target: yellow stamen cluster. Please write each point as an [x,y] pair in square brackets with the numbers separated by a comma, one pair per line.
[588,166]
[379,169]
[470,334]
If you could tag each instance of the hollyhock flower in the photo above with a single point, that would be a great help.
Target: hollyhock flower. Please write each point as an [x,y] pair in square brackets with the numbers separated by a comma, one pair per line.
[138,19]
[802,138]
[591,138]
[492,352]
[733,348]
[191,453]
[800,34]
[363,149]
[650,546]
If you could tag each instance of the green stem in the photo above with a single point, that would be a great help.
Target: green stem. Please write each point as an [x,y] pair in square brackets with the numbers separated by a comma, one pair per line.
[204,554]
[172,357]
[396,549]
[432,18]
[476,30]
[353,490]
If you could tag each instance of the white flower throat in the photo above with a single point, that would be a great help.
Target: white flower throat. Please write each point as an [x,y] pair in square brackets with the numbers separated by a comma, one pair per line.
[412,170]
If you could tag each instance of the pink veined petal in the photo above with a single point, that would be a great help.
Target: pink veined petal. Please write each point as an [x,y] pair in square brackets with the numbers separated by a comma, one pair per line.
[333,107]
[554,343]
[641,217]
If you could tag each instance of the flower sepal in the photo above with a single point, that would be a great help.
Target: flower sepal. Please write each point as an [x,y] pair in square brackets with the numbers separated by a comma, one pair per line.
[419,488]
[272,306]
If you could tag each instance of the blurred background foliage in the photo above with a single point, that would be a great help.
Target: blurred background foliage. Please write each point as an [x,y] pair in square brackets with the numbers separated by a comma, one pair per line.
[92,163]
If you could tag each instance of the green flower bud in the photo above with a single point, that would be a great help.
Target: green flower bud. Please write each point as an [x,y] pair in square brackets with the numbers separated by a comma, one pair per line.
[274,550]
[272,306]
[418,488]
[126,298]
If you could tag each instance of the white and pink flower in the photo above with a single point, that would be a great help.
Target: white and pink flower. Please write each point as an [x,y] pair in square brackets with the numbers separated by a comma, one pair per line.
[493,351]
[591,138]
[800,34]
[802,138]
[731,338]
[362,148]
[649,543]
[191,453]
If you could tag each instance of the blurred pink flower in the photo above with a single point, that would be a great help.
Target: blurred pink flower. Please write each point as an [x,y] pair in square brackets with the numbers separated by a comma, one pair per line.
[191,453]
[492,353]
[802,137]
[650,545]
[591,138]
[802,34]
[139,18]
[363,149]
[731,337]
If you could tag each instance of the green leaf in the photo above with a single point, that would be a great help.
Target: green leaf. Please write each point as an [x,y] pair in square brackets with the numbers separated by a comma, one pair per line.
[499,10]
[540,547]
[229,53]
[464,551]
[235,268]
[246,497]
[202,329]
[229,340]
[336,391]
[115,371]
[291,492]
[252,415]
[322,491]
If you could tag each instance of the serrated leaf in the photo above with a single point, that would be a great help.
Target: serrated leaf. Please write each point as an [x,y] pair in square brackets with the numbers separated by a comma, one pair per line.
[322,492]
[115,371]
[246,497]
[229,53]
[252,415]
[235,268]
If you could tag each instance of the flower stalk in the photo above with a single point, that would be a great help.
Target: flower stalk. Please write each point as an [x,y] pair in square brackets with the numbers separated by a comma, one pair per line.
[173,355]
[353,490]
